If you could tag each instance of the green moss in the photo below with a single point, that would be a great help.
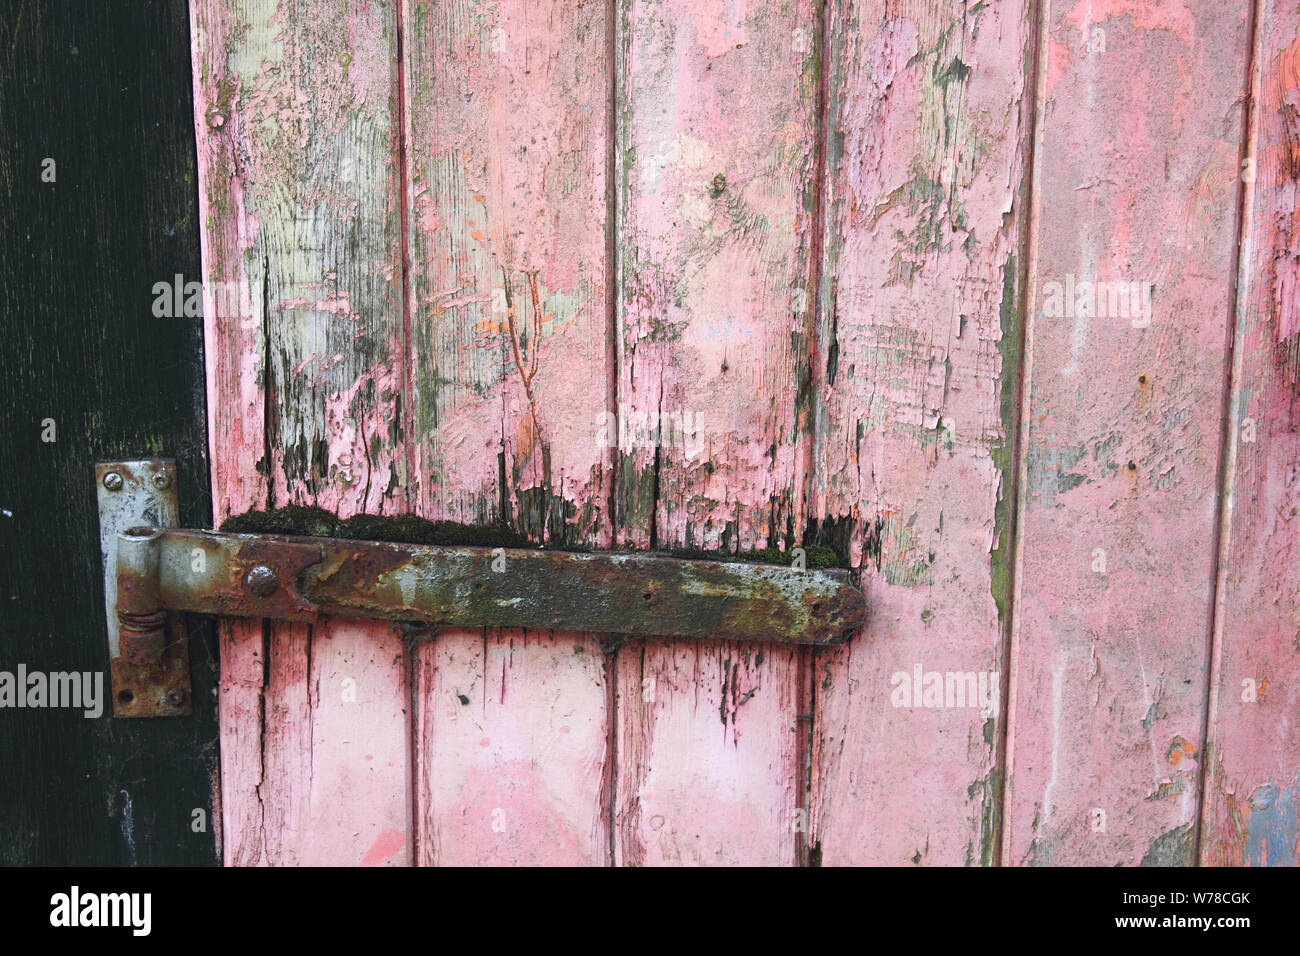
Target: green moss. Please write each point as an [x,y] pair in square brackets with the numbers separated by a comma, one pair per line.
[404,529]
[816,556]
[291,519]
[411,529]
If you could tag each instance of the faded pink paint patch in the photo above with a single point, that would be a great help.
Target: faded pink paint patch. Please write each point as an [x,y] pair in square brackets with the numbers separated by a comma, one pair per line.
[711,787]
[385,845]
[1174,16]
[508,152]
[1059,54]
[507,816]
[512,744]
[718,31]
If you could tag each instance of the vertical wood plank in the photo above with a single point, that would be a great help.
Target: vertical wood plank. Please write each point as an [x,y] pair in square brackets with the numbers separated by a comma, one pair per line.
[295,121]
[512,747]
[1252,799]
[508,113]
[1137,163]
[929,118]
[715,166]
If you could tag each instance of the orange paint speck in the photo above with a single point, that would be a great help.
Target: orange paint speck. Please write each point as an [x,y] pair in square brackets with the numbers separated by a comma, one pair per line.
[1179,749]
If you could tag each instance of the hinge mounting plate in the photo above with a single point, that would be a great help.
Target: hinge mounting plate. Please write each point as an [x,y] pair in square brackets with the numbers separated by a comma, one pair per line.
[149,680]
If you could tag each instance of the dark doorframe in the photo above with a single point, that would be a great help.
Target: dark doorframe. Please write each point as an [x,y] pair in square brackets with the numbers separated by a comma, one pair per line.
[103,90]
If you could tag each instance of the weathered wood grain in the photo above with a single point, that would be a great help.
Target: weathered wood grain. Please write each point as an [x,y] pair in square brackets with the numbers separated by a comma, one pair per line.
[507,108]
[925,203]
[295,119]
[1251,814]
[794,314]
[715,162]
[512,744]
[707,749]
[1136,181]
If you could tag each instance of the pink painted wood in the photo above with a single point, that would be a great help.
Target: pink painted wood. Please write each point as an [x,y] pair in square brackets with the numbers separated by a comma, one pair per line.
[929,126]
[508,113]
[1252,790]
[715,168]
[294,121]
[659,273]
[511,750]
[1135,183]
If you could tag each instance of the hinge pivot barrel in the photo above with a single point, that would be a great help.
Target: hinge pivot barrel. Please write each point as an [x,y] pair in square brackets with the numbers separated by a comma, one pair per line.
[141,617]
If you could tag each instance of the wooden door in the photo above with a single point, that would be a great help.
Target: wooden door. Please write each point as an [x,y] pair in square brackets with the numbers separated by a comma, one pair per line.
[993,298]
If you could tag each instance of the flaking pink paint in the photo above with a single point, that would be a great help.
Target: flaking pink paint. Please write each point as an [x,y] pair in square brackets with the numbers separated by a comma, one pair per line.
[484,166]
[1251,813]
[275,94]
[1122,440]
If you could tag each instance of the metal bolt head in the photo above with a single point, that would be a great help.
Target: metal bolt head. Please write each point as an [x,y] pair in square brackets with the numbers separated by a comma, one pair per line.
[113,481]
[176,696]
[262,580]
[162,481]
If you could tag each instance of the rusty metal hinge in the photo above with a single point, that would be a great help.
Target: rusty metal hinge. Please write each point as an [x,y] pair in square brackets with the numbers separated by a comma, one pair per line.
[148,655]
[158,568]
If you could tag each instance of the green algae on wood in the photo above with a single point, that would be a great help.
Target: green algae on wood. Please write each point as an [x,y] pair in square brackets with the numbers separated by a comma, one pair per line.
[315,522]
